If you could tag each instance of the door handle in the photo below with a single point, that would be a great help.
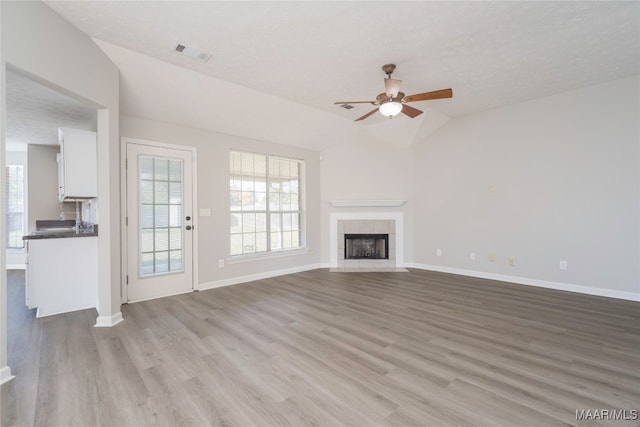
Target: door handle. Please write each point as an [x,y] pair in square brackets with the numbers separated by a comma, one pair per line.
[188,227]
[188,218]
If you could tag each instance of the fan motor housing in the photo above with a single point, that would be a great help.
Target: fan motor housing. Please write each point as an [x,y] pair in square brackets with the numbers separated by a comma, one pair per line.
[383,97]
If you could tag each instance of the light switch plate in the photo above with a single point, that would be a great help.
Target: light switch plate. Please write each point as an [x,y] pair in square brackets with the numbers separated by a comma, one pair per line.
[205,211]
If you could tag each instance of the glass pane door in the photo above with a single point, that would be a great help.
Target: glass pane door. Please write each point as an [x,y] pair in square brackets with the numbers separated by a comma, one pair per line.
[160,215]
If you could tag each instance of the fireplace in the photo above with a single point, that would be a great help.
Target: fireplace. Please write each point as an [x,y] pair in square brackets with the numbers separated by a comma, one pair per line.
[344,224]
[366,246]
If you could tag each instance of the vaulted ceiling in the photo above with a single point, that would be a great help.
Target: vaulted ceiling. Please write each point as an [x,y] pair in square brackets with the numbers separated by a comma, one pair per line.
[277,67]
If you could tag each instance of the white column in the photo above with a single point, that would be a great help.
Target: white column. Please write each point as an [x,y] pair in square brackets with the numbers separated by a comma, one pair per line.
[5,371]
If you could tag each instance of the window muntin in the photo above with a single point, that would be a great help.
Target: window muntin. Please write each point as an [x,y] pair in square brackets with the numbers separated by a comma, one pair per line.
[15,206]
[160,206]
[265,203]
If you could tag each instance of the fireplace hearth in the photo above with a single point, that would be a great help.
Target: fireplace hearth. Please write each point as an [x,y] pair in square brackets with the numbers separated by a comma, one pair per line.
[366,246]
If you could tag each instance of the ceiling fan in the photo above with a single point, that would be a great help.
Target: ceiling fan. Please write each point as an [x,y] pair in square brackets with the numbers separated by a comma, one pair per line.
[392,102]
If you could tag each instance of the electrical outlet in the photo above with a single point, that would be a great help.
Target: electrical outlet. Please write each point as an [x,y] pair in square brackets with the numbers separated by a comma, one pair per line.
[438,252]
[472,256]
[492,257]
[220,263]
[512,261]
[563,265]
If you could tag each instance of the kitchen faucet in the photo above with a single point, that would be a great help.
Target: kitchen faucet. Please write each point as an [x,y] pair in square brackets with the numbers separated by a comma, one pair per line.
[78,219]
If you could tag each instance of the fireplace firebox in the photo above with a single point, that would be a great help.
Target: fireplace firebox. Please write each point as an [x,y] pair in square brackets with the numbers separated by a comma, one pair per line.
[366,246]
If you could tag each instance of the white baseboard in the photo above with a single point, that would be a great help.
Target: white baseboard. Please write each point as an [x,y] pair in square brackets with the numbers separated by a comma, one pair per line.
[5,375]
[16,266]
[40,313]
[610,293]
[109,321]
[259,276]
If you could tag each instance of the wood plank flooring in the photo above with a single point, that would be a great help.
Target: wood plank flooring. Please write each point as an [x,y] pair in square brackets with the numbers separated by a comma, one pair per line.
[329,349]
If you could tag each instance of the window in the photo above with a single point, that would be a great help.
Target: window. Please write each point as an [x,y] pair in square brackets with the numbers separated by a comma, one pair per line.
[160,208]
[266,203]
[15,206]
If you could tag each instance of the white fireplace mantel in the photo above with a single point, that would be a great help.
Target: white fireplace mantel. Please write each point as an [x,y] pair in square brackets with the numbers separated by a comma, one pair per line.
[334,217]
[367,203]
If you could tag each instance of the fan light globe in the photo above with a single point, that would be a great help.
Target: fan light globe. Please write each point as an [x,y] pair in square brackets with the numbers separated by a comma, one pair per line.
[390,108]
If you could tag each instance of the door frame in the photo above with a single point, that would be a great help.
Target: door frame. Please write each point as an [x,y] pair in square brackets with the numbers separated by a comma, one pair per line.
[124,209]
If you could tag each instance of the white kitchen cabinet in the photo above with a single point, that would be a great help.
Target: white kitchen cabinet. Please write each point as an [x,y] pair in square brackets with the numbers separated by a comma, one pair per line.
[62,274]
[77,164]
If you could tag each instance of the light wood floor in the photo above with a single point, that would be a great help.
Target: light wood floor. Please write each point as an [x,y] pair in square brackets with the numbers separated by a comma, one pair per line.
[327,349]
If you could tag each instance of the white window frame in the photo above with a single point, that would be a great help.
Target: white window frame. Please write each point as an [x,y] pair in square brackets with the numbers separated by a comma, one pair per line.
[7,213]
[267,211]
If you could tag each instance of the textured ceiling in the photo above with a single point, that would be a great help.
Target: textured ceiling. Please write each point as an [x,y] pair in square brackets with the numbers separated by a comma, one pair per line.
[35,112]
[315,53]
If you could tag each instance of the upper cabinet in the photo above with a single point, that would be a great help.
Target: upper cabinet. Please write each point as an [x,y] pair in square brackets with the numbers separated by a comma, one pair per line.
[77,164]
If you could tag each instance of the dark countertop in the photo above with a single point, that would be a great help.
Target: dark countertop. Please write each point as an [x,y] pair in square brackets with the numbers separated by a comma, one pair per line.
[54,229]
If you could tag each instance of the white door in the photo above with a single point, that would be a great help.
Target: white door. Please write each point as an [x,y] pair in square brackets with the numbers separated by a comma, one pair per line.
[160,221]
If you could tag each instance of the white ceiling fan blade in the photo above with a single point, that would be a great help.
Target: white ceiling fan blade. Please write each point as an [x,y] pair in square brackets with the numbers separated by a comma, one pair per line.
[392,87]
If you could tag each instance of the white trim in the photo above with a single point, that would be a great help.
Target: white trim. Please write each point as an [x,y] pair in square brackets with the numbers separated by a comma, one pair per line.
[5,371]
[366,203]
[258,276]
[124,270]
[609,293]
[5,375]
[108,321]
[333,232]
[195,218]
[55,313]
[124,296]
[156,144]
[171,294]
[16,266]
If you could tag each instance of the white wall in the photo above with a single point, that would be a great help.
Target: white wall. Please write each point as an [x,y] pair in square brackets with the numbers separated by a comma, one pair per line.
[213,192]
[40,43]
[5,370]
[366,171]
[42,184]
[17,156]
[565,170]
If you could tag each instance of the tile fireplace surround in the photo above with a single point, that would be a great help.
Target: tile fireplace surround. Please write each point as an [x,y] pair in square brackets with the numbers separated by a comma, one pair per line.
[366,223]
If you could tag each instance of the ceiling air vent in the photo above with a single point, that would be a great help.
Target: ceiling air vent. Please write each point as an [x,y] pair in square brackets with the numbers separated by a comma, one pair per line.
[347,106]
[192,52]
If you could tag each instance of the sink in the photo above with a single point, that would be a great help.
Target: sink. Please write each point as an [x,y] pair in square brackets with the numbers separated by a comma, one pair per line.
[50,230]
